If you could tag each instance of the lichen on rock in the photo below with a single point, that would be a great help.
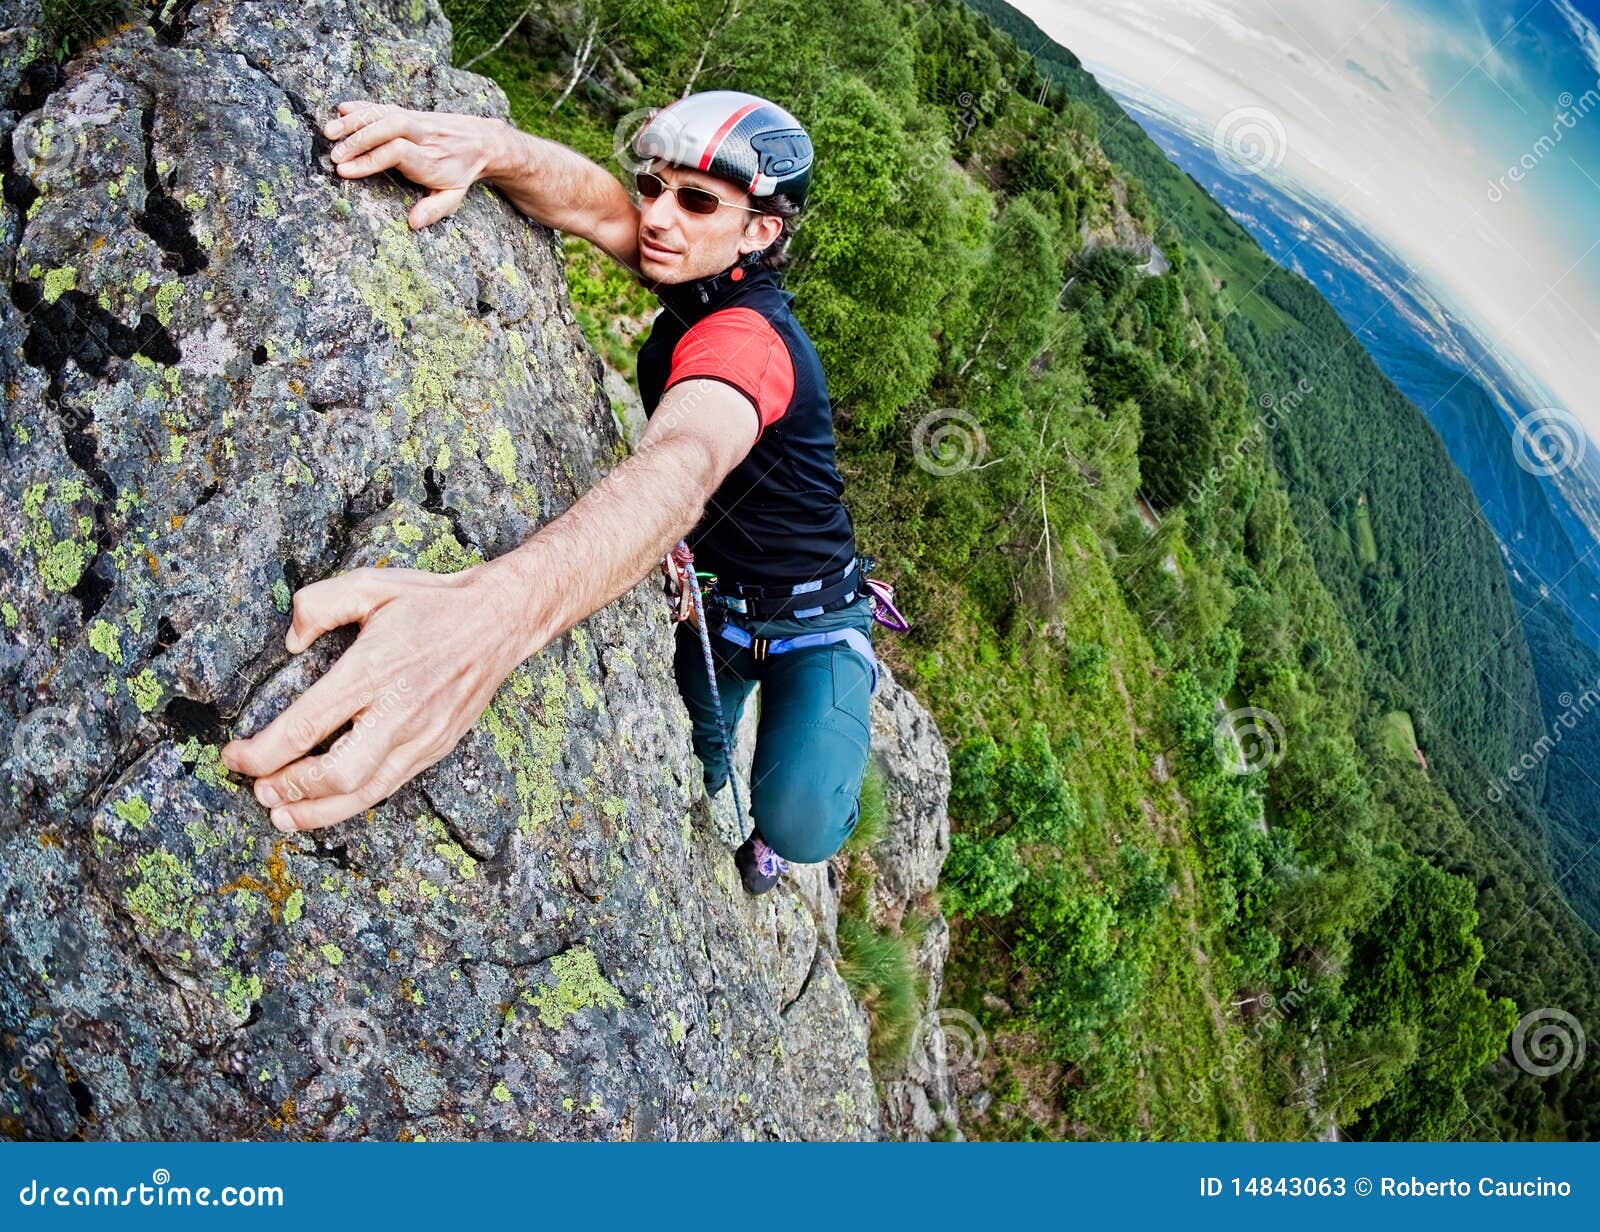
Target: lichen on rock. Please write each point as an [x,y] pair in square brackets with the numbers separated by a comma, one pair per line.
[228,372]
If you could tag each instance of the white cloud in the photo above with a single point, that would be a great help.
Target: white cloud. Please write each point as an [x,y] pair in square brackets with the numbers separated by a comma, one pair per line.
[1587,34]
[1411,162]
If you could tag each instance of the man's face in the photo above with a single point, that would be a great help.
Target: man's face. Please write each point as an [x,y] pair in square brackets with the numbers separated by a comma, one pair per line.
[677,246]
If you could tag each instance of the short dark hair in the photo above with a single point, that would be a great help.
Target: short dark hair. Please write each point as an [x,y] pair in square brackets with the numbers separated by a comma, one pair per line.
[780,204]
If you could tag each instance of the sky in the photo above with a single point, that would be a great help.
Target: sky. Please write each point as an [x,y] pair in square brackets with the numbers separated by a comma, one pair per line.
[1408,115]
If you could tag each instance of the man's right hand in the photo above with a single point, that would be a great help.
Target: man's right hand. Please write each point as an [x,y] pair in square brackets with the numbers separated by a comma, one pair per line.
[434,149]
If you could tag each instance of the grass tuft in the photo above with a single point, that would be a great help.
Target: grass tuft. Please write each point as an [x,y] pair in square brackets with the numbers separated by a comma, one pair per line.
[880,968]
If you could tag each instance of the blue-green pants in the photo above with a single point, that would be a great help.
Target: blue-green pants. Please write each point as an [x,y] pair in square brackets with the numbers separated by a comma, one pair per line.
[813,736]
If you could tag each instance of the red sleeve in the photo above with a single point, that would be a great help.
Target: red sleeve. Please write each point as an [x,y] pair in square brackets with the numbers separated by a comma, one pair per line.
[739,347]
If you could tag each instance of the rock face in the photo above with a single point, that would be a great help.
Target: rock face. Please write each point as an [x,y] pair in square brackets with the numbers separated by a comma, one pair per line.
[227,373]
[919,1097]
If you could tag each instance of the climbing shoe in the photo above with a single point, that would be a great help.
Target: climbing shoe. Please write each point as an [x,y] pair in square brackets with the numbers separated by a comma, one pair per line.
[759,866]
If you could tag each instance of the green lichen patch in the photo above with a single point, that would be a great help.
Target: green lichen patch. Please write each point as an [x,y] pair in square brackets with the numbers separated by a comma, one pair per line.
[61,562]
[458,858]
[529,748]
[266,207]
[395,287]
[207,762]
[242,991]
[167,895]
[408,534]
[145,690]
[579,986]
[166,297]
[58,282]
[446,555]
[107,639]
[133,810]
[500,454]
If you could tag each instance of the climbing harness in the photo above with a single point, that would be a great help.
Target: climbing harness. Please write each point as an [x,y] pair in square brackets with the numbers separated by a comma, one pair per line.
[761,647]
[683,589]
[797,602]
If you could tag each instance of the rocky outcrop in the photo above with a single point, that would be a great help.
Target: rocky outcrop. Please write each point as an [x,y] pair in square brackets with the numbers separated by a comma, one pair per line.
[919,1098]
[229,372]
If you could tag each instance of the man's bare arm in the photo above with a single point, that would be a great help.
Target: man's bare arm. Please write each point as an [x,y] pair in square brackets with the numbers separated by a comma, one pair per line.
[622,527]
[563,189]
[449,153]
[433,649]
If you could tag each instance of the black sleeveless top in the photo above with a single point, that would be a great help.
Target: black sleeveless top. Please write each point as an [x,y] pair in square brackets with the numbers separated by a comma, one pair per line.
[778,518]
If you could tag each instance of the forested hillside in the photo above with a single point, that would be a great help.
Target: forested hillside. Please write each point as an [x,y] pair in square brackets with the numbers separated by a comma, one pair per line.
[1195,594]
[1459,668]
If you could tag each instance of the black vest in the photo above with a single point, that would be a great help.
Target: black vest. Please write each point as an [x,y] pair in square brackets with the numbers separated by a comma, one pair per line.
[778,517]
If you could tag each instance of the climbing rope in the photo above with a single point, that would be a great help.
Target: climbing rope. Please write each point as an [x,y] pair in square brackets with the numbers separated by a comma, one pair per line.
[684,558]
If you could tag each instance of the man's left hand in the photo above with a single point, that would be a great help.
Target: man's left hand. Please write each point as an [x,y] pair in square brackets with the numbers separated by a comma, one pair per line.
[432,651]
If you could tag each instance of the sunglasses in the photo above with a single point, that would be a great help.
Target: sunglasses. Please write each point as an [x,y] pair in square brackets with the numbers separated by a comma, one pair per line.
[695,200]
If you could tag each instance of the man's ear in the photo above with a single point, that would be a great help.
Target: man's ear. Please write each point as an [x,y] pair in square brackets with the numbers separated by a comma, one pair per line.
[768,228]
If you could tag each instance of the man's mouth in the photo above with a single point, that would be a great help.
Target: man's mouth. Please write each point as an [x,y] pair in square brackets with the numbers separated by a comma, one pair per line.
[656,252]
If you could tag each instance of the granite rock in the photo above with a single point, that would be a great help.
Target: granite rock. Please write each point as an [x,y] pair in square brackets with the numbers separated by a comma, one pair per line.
[227,373]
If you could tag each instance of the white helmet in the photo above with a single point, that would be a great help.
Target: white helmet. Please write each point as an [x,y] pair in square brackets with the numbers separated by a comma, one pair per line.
[739,137]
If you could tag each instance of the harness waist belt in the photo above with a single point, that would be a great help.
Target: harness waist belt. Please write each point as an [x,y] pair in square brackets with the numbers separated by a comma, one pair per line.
[799,601]
[763,646]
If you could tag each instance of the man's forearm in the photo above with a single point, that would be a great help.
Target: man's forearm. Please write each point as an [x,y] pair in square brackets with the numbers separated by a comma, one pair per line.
[600,547]
[553,183]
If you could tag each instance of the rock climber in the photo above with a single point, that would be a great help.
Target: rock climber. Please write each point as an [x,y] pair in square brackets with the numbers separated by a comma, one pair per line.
[737,459]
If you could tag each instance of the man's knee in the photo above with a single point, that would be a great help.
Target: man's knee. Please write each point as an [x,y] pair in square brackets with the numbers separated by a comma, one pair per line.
[806,814]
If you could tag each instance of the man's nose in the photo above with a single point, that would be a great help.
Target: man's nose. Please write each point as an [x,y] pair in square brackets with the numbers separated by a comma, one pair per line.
[660,212]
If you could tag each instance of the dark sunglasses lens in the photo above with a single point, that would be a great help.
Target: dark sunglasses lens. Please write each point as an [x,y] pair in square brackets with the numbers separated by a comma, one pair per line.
[698,200]
[649,184]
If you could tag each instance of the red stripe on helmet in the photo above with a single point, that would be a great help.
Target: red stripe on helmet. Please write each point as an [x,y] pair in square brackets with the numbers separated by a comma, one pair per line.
[727,127]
